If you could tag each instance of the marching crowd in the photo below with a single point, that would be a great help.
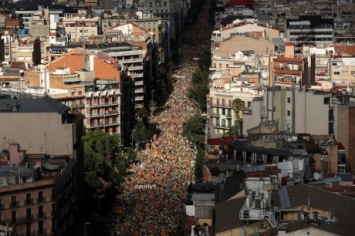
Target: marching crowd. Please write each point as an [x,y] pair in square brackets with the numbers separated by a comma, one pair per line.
[164,167]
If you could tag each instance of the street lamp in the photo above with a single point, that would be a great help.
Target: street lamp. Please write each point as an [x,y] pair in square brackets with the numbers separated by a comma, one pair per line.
[153,95]
[137,144]
[98,203]
[132,137]
[85,224]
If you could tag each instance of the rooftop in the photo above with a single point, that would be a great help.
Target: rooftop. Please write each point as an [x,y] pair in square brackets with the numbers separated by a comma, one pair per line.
[27,105]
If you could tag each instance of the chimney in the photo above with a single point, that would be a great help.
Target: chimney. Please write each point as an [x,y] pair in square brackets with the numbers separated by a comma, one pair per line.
[290,49]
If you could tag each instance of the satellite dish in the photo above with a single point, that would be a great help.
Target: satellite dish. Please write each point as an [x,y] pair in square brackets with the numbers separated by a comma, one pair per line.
[316,175]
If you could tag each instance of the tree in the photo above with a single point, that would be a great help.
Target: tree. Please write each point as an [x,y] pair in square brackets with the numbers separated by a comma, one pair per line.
[194,130]
[200,156]
[141,133]
[100,151]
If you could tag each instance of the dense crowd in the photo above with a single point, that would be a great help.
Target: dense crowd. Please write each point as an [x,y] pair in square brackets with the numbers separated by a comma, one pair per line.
[152,199]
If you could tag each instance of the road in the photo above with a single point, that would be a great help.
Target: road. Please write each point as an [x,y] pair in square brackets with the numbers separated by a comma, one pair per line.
[152,202]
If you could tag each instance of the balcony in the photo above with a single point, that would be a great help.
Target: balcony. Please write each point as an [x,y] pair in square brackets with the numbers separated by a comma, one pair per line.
[14,204]
[136,75]
[41,216]
[222,126]
[219,105]
[105,104]
[108,114]
[25,219]
[103,124]
[139,98]
[131,68]
[138,83]
[213,114]
[278,71]
[41,200]
[139,91]
[28,202]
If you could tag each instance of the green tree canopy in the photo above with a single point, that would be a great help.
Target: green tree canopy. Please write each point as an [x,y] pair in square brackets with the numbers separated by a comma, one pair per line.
[200,156]
[100,150]
[194,130]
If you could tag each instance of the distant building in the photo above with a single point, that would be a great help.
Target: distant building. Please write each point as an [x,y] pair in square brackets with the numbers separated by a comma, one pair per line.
[310,29]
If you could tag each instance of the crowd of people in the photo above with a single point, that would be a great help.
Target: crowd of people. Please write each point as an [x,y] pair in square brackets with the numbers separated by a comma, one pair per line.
[152,199]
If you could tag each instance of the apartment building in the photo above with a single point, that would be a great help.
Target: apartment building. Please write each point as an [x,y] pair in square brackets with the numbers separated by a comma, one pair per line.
[25,10]
[39,23]
[91,88]
[171,10]
[223,91]
[226,51]
[345,126]
[134,52]
[158,30]
[301,111]
[42,193]
[81,28]
[21,48]
[310,29]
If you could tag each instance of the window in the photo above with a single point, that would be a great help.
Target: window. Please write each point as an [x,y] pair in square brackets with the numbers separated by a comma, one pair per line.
[288,112]
[73,93]
[150,4]
[13,201]
[336,73]
[164,4]
[28,199]
[288,100]
[40,211]
[331,128]
[223,111]
[28,213]
[331,115]
[327,100]
[40,227]
[40,196]
[28,229]
[13,216]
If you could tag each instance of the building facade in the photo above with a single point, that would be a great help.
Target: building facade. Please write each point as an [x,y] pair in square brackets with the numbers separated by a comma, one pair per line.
[45,200]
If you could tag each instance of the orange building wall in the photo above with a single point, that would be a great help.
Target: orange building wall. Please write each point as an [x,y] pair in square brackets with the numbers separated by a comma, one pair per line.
[32,78]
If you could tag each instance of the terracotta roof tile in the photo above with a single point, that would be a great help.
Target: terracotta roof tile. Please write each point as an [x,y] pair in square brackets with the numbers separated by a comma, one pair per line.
[103,70]
[345,50]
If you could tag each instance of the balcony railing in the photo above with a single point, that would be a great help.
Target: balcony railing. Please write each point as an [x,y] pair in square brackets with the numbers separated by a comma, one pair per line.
[42,199]
[29,202]
[25,219]
[223,126]
[138,83]
[139,98]
[20,220]
[115,113]
[104,124]
[136,75]
[135,68]
[219,105]
[14,204]
[104,104]
[41,216]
